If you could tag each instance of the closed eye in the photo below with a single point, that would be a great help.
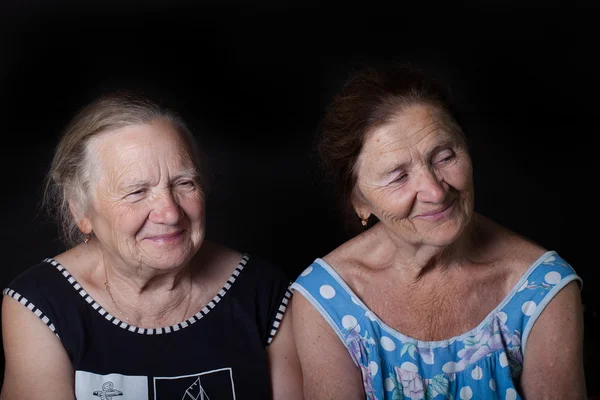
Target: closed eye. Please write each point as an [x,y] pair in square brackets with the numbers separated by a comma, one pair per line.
[444,156]
[400,178]
[186,184]
[136,192]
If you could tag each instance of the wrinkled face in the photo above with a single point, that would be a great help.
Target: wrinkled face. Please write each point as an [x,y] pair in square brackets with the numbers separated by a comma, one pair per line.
[415,175]
[146,206]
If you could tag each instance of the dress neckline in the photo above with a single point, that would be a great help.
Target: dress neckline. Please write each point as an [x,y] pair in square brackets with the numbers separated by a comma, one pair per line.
[151,331]
[444,342]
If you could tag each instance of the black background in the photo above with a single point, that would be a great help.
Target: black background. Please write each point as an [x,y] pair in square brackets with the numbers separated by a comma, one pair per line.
[253,81]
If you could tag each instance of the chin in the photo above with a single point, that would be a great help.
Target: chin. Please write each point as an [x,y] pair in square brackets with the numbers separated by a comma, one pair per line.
[169,259]
[444,235]
[168,264]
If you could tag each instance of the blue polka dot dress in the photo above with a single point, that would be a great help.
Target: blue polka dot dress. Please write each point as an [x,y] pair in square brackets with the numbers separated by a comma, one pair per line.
[484,363]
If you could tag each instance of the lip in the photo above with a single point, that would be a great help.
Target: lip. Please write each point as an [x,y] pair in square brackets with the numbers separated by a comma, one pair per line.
[165,238]
[433,215]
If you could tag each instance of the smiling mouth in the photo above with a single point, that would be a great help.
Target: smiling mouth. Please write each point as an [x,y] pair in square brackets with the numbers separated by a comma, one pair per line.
[165,237]
[437,212]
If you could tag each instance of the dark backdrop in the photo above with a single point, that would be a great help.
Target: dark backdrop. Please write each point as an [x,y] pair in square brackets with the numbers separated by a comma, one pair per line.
[253,82]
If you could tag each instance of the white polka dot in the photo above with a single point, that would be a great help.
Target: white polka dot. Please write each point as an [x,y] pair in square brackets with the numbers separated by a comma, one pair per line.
[387,343]
[477,373]
[523,286]
[511,394]
[466,393]
[371,316]
[389,384]
[410,367]
[451,367]
[428,357]
[354,300]
[373,368]
[528,308]
[327,291]
[552,277]
[306,271]
[550,259]
[349,322]
[502,316]
[493,384]
[503,360]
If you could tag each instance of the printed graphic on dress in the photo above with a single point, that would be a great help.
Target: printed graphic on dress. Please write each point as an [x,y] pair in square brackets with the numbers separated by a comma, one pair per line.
[210,385]
[92,386]
[108,391]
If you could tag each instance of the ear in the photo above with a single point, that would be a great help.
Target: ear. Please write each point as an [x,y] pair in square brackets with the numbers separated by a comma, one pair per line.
[81,219]
[359,205]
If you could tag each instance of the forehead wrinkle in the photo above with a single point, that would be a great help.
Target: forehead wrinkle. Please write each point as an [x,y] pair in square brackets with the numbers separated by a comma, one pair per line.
[142,158]
[397,148]
[391,155]
[128,166]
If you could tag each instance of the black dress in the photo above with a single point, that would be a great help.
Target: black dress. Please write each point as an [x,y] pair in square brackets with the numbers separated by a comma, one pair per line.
[219,353]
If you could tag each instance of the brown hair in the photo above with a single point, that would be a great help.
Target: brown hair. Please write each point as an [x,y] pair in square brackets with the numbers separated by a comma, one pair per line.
[370,98]
[69,175]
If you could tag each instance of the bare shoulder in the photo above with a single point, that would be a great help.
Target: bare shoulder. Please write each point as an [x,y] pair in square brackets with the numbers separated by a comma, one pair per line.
[216,260]
[345,259]
[367,248]
[366,253]
[81,261]
[510,250]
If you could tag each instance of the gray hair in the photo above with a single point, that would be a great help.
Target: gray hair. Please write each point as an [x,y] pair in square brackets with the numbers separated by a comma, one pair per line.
[69,175]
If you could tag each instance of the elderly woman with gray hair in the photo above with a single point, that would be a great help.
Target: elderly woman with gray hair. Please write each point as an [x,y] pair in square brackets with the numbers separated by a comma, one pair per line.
[141,305]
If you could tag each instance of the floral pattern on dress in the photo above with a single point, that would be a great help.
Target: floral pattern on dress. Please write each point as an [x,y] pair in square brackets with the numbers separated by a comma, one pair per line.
[494,336]
[359,348]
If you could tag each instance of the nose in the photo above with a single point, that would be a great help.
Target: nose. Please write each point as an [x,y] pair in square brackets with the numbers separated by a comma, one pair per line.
[430,187]
[165,209]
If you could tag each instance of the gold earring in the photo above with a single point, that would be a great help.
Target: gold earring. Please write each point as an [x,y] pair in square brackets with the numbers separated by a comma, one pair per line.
[87,237]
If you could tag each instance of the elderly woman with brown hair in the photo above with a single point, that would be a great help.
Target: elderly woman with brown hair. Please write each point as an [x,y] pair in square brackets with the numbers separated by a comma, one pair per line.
[141,305]
[432,300]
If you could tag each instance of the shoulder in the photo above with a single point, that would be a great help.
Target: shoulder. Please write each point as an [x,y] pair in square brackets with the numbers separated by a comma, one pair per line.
[368,251]
[265,270]
[33,278]
[40,290]
[222,262]
[215,263]
[513,253]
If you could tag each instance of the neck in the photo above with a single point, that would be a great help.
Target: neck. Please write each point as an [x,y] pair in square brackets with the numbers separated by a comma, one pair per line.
[415,261]
[139,279]
[146,296]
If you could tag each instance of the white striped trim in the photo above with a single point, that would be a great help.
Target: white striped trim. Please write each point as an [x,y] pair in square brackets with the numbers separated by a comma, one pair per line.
[279,316]
[11,293]
[149,331]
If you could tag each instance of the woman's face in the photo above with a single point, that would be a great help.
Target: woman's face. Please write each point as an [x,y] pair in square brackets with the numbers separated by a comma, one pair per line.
[415,175]
[146,206]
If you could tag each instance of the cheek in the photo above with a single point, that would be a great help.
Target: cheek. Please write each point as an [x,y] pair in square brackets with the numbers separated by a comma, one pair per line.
[459,176]
[193,206]
[129,220]
[393,204]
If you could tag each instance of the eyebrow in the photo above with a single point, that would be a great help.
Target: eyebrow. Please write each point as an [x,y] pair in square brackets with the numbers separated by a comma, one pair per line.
[188,173]
[393,170]
[134,184]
